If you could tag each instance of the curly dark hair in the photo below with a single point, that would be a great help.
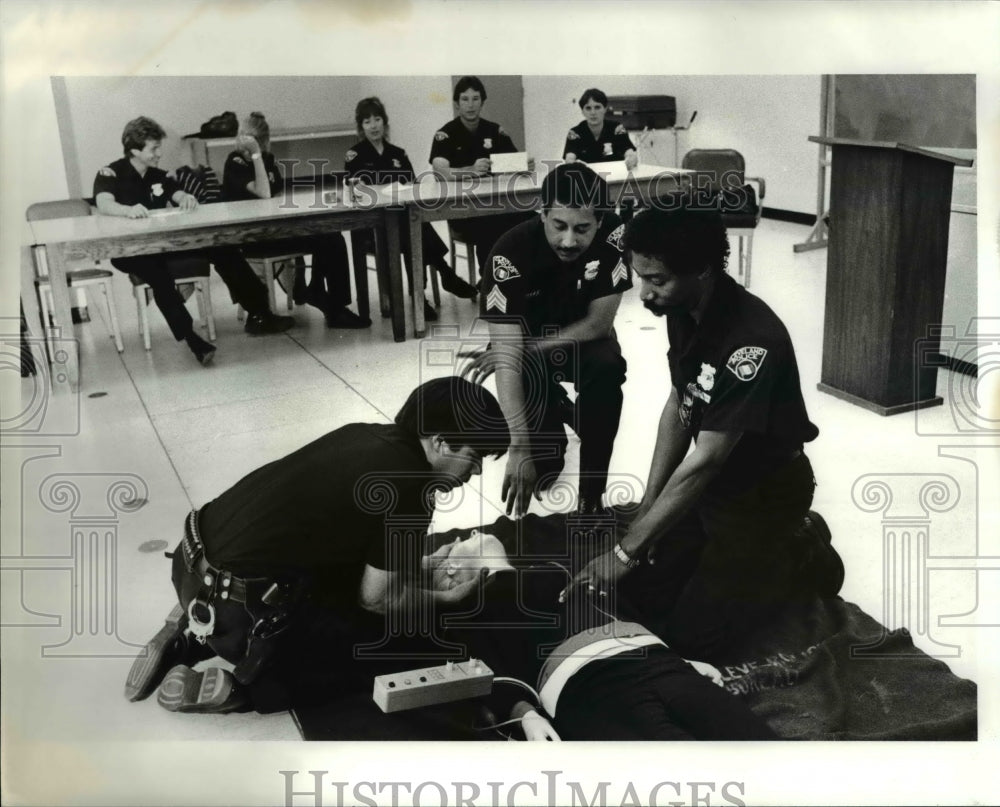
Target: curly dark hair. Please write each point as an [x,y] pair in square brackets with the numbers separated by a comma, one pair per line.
[138,132]
[575,185]
[685,239]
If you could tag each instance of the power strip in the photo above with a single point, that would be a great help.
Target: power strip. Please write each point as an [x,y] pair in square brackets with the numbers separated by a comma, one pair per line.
[425,687]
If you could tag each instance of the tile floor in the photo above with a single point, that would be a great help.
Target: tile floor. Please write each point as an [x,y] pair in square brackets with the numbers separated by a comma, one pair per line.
[182,434]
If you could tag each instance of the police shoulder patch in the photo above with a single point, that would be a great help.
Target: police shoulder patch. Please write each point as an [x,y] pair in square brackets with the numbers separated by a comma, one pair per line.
[107,171]
[615,238]
[572,135]
[439,135]
[503,269]
[620,129]
[500,130]
[745,362]
[351,155]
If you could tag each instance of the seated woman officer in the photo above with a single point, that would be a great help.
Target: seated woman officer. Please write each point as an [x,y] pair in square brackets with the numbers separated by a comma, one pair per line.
[252,173]
[595,140]
[599,675]
[375,161]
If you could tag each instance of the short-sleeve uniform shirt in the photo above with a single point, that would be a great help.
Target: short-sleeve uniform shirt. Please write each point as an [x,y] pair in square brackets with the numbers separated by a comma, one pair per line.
[462,148]
[153,189]
[358,495]
[611,145]
[238,172]
[736,371]
[524,280]
[363,161]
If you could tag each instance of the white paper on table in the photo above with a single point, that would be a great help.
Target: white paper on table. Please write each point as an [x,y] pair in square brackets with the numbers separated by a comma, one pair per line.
[509,163]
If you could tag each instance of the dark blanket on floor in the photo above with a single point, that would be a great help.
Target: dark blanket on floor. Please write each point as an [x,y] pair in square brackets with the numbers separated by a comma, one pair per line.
[821,670]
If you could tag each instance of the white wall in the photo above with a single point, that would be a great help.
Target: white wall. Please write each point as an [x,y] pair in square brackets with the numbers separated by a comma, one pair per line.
[766,118]
[99,107]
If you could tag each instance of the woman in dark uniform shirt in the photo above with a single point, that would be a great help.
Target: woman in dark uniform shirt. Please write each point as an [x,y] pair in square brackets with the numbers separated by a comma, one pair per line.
[251,172]
[595,140]
[375,161]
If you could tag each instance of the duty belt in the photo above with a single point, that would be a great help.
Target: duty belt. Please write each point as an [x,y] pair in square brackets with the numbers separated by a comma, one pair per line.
[225,585]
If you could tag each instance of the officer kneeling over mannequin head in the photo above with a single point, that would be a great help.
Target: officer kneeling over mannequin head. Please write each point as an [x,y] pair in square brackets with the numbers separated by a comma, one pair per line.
[285,572]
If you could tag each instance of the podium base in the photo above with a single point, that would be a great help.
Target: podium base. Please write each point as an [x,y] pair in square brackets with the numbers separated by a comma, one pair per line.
[871,406]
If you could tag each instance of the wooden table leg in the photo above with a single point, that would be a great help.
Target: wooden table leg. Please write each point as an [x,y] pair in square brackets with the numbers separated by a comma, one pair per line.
[66,362]
[387,253]
[415,221]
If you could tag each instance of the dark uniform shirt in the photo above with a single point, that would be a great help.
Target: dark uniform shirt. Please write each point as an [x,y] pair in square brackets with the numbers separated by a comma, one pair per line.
[611,145]
[363,161]
[356,496]
[461,148]
[526,282]
[239,172]
[736,371]
[153,189]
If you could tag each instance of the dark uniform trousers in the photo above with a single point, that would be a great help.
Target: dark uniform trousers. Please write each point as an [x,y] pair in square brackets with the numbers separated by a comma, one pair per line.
[244,286]
[330,266]
[597,369]
[727,567]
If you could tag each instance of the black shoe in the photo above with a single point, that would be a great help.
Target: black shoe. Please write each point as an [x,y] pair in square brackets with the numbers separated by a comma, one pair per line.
[171,646]
[822,568]
[203,351]
[213,691]
[453,284]
[345,318]
[591,507]
[430,315]
[259,324]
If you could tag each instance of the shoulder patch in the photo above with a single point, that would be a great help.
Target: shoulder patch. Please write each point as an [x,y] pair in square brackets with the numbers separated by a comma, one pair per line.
[238,159]
[615,237]
[572,135]
[351,155]
[439,135]
[107,171]
[500,130]
[620,129]
[503,269]
[745,362]
[496,299]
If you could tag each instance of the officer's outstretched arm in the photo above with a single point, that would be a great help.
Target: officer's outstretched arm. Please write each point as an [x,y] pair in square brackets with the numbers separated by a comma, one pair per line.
[682,490]
[598,323]
[672,442]
[519,476]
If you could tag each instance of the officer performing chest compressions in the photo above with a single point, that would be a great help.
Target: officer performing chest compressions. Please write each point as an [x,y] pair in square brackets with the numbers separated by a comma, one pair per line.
[302,559]
[728,524]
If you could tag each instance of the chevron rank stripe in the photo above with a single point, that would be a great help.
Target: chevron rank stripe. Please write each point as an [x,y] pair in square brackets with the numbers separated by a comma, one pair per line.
[496,299]
[619,274]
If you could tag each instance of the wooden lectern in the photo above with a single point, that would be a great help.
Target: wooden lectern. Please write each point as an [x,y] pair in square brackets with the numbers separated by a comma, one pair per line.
[890,205]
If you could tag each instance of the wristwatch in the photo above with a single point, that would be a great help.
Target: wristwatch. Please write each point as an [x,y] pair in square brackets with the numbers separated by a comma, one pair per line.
[624,557]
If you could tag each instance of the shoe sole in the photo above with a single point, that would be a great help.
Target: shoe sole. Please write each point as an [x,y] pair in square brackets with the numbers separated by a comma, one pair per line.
[206,360]
[184,690]
[146,670]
